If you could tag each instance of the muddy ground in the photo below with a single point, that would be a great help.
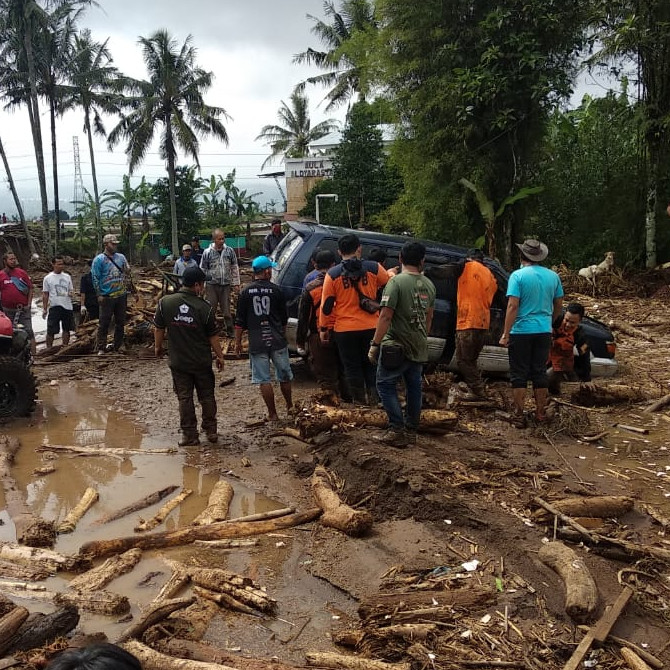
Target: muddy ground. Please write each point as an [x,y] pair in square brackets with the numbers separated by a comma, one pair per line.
[453,498]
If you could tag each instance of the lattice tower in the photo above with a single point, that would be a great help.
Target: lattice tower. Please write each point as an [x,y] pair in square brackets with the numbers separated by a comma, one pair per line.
[78,196]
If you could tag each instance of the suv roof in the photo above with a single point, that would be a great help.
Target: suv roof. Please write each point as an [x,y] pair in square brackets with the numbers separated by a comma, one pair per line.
[306,228]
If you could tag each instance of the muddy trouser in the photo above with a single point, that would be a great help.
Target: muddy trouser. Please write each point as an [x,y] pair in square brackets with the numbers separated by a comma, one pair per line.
[219,295]
[25,318]
[203,383]
[353,347]
[469,344]
[112,307]
[528,355]
[326,366]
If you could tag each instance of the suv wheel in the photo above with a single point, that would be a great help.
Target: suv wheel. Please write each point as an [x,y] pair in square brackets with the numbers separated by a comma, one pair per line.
[18,388]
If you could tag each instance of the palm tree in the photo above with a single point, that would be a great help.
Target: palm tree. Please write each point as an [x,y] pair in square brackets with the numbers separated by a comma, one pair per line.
[173,99]
[92,84]
[345,59]
[144,199]
[17,202]
[293,137]
[125,200]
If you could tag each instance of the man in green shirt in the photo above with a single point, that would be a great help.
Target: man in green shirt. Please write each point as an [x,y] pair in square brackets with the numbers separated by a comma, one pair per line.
[402,337]
[189,321]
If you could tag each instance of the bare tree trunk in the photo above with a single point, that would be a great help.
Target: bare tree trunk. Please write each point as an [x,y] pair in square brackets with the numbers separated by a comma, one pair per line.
[36,128]
[17,202]
[173,196]
[650,220]
[54,171]
[98,221]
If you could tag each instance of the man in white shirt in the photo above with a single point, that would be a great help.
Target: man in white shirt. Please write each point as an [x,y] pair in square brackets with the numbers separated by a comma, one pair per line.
[57,293]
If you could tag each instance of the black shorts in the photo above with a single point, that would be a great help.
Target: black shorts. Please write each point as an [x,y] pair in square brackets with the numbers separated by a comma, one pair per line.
[59,315]
[528,355]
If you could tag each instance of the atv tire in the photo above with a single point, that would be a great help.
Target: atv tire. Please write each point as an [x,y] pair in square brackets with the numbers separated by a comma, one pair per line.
[18,388]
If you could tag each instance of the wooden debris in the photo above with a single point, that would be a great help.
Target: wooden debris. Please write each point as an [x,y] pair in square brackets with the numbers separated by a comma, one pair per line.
[655,514]
[45,559]
[40,629]
[156,613]
[145,502]
[629,330]
[98,602]
[113,567]
[177,581]
[74,515]
[633,661]
[581,592]
[224,600]
[600,507]
[642,653]
[9,570]
[217,505]
[337,514]
[600,631]
[565,519]
[154,660]
[330,660]
[186,535]
[163,512]
[103,450]
[226,544]
[10,624]
[602,396]
[632,429]
[659,404]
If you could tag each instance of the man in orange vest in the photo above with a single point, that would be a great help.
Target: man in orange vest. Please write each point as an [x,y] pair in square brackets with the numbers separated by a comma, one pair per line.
[476,288]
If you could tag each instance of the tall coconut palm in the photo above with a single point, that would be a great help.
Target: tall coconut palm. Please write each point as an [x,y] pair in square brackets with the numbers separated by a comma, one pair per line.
[293,137]
[92,86]
[171,98]
[125,200]
[347,38]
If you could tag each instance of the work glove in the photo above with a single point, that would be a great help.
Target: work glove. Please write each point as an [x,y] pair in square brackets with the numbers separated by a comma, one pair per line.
[373,354]
[83,311]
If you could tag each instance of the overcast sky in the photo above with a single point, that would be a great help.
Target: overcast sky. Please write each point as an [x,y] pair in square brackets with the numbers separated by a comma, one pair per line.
[248,45]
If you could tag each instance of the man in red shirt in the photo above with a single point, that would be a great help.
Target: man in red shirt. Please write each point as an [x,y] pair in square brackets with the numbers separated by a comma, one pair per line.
[16,294]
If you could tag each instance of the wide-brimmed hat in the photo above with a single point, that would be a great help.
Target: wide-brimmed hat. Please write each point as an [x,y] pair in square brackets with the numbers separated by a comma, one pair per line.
[533,250]
[113,239]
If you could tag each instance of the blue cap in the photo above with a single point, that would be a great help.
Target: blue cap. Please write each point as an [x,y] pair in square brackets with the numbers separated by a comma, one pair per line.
[262,263]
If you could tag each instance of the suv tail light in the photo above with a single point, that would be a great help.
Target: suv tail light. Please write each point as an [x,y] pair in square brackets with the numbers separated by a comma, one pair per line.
[611,348]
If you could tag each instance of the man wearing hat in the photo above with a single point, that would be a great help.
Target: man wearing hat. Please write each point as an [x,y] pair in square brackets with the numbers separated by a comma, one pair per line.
[534,302]
[476,289]
[184,261]
[189,321]
[197,250]
[110,271]
[261,311]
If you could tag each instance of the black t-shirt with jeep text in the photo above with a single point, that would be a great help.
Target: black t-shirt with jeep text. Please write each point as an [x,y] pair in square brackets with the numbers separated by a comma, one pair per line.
[261,310]
[190,323]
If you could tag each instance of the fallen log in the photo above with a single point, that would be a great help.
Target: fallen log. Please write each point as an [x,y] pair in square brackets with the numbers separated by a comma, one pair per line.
[9,570]
[581,592]
[46,559]
[98,577]
[629,330]
[227,544]
[10,624]
[156,613]
[177,581]
[217,505]
[145,502]
[565,519]
[98,602]
[74,515]
[163,512]
[600,631]
[199,651]
[41,629]
[600,507]
[186,535]
[225,600]
[633,661]
[601,396]
[330,660]
[6,605]
[408,631]
[103,450]
[383,604]
[659,404]
[322,418]
[154,660]
[337,514]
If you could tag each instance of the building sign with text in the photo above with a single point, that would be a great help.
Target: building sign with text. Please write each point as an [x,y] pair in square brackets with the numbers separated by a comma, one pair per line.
[313,166]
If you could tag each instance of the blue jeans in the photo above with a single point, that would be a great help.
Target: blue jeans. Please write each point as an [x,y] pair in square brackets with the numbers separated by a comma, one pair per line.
[387,387]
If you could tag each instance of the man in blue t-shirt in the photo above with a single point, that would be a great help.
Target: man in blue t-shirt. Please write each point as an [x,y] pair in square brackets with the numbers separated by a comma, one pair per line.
[534,301]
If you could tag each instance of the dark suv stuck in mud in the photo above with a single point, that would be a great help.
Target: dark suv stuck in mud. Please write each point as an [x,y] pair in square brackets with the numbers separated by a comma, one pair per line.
[293,262]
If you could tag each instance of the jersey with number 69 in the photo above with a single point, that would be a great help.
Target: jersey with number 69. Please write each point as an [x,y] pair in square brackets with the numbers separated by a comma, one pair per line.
[261,310]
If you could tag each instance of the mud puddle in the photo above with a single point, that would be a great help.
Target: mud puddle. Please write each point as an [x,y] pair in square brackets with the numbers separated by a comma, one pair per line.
[71,414]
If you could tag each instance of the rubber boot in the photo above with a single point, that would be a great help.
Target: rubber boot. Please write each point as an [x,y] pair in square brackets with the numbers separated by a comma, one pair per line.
[358,395]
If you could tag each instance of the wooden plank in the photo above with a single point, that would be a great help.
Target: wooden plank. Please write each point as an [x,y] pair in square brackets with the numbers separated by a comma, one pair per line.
[600,631]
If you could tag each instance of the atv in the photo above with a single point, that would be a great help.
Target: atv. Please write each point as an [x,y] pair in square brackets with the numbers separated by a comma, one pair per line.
[18,387]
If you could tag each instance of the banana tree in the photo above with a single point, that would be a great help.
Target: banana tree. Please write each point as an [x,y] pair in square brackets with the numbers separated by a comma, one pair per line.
[490,214]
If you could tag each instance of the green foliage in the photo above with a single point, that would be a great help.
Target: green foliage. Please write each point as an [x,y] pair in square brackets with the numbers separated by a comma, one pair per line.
[187,186]
[331,213]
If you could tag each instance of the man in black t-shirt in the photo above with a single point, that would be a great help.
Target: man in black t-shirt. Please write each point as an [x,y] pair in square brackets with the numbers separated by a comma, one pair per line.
[88,298]
[261,311]
[189,321]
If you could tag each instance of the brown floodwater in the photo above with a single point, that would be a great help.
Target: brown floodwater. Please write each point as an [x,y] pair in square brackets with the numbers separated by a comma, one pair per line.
[72,414]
